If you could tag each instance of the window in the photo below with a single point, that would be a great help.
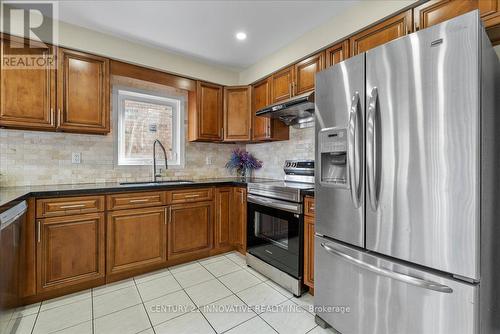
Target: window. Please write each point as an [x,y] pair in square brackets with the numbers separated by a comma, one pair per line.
[144,117]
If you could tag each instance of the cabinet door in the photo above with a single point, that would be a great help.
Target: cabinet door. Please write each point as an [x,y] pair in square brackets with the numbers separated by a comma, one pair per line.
[386,31]
[238,227]
[261,97]
[27,94]
[222,216]
[309,251]
[83,92]
[70,250]
[136,239]
[437,11]
[190,229]
[237,113]
[305,73]
[209,112]
[337,53]
[281,85]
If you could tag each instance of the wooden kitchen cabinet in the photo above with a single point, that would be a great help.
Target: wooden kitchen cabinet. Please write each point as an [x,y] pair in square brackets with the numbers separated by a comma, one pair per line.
[309,242]
[264,128]
[70,251]
[190,229]
[305,73]
[205,116]
[136,240]
[386,31]
[28,96]
[223,215]
[238,226]
[337,53]
[282,85]
[237,113]
[83,92]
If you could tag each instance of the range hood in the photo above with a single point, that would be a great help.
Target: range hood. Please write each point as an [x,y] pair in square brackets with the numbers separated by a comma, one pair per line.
[297,111]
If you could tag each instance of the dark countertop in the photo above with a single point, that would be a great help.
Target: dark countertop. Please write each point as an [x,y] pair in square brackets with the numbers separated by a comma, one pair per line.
[308,192]
[10,194]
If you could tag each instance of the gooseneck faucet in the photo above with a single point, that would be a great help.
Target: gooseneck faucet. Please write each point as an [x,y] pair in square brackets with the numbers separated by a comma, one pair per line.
[155,173]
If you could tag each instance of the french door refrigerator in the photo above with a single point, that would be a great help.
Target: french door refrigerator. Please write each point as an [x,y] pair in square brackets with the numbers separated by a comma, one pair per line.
[407,186]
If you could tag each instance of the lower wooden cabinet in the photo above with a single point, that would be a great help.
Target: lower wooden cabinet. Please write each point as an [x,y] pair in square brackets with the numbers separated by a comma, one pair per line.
[238,226]
[190,229]
[136,239]
[70,251]
[309,251]
[222,216]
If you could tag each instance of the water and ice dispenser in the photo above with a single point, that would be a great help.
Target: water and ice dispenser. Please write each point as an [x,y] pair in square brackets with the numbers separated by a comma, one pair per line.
[333,157]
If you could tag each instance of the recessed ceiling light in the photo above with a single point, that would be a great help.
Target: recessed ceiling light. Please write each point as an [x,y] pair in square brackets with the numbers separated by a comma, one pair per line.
[241,36]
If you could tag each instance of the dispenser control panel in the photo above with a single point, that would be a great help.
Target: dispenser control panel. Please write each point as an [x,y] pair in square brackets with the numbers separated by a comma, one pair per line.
[333,157]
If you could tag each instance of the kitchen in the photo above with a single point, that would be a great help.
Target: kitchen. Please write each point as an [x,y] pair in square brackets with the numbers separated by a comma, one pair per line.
[231,175]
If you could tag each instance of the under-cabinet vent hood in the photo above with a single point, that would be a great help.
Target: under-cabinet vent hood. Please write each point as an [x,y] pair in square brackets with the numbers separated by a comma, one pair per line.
[297,111]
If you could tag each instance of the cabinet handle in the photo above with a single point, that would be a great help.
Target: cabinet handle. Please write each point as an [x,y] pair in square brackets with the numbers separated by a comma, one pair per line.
[39,230]
[290,89]
[166,215]
[191,196]
[170,214]
[73,206]
[139,200]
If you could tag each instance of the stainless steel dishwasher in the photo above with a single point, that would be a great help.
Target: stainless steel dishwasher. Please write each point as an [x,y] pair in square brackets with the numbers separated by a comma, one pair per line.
[12,218]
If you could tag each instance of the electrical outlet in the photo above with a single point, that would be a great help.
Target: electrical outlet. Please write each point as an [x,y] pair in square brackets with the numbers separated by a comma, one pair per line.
[209,161]
[76,158]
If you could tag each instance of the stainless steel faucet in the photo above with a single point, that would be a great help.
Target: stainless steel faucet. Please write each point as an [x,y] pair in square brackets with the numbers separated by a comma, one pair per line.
[155,174]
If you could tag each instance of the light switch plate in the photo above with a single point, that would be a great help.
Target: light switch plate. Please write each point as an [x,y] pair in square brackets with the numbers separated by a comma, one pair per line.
[76,158]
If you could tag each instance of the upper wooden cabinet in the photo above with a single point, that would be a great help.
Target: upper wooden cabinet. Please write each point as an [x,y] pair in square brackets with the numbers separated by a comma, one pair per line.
[205,116]
[337,53]
[28,95]
[386,31]
[237,113]
[305,73]
[83,92]
[282,85]
[264,128]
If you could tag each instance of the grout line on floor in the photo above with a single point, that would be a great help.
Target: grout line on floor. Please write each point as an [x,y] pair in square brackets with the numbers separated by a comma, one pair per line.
[143,306]
[92,309]
[36,318]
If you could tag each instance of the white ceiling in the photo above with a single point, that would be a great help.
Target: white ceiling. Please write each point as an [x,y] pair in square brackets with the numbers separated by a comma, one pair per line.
[205,29]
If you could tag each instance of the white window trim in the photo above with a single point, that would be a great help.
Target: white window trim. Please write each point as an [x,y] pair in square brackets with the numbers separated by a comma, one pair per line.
[151,97]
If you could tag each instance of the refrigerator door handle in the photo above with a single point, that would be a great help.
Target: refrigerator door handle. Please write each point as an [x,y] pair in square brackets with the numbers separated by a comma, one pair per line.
[370,149]
[422,283]
[353,150]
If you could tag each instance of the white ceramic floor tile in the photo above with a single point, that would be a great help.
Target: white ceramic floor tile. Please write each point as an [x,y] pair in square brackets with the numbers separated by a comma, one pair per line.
[280,289]
[184,267]
[237,258]
[22,325]
[319,330]
[147,331]
[306,301]
[112,287]
[292,319]
[24,311]
[253,326]
[192,277]
[63,317]
[65,300]
[158,287]
[261,296]
[227,313]
[239,280]
[115,301]
[207,292]
[128,321]
[151,276]
[256,274]
[212,259]
[222,267]
[190,323]
[168,307]
[83,328]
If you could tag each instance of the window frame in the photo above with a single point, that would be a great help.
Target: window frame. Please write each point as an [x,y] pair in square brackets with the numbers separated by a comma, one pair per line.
[121,93]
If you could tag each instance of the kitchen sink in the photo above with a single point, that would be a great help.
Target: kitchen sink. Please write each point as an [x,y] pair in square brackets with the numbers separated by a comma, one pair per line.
[157,183]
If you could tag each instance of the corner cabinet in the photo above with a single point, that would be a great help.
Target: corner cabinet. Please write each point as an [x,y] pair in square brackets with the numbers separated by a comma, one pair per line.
[83,92]
[205,116]
[237,113]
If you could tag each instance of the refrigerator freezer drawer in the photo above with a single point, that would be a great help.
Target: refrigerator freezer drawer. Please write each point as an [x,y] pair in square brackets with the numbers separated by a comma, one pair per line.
[377,296]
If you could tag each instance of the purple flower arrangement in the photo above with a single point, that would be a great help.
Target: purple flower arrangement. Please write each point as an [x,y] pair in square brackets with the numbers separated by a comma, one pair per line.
[242,161]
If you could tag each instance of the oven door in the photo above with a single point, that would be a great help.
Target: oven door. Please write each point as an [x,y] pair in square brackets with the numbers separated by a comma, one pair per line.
[274,233]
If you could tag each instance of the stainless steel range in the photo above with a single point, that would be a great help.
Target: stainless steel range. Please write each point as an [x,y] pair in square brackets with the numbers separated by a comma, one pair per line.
[275,225]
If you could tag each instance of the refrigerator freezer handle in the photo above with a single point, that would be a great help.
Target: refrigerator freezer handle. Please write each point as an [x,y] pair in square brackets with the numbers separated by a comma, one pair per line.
[421,283]
[353,151]
[370,149]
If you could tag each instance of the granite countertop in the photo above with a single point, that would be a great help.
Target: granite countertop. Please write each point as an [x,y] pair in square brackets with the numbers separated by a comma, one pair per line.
[9,194]
[308,192]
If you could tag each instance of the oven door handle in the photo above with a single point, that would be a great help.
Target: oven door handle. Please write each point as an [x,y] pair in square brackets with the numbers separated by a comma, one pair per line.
[276,204]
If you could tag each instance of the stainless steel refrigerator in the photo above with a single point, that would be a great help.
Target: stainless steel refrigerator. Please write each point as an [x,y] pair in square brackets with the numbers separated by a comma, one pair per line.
[408,186]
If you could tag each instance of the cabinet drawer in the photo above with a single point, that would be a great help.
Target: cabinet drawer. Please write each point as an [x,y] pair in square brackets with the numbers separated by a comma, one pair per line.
[190,195]
[309,208]
[52,207]
[136,200]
